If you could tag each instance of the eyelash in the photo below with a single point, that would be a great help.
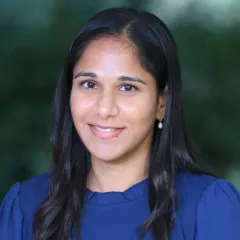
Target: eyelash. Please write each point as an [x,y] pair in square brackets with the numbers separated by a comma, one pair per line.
[84,82]
[124,85]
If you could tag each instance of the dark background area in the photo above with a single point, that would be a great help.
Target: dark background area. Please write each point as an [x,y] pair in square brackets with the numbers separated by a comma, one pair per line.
[34,39]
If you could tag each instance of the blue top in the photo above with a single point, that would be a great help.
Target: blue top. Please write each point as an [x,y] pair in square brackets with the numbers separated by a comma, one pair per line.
[209,209]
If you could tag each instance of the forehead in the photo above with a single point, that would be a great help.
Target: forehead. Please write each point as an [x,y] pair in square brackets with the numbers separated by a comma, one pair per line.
[112,57]
[109,50]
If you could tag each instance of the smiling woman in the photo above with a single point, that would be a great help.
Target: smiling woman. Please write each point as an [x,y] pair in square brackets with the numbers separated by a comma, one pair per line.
[107,102]
[123,167]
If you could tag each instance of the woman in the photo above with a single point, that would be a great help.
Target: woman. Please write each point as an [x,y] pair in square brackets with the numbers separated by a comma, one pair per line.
[123,166]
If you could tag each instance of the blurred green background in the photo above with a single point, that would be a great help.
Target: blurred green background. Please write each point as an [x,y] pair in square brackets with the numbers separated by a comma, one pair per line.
[34,39]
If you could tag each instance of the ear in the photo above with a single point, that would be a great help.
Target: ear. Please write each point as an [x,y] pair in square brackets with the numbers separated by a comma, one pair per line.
[162,100]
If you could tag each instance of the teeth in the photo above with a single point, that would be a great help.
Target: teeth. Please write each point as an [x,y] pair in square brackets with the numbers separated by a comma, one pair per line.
[104,129]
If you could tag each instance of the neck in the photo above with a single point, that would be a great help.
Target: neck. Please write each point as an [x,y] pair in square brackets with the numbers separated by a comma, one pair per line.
[111,176]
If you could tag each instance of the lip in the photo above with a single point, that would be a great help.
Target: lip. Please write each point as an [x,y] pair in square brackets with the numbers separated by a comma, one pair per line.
[105,135]
[104,127]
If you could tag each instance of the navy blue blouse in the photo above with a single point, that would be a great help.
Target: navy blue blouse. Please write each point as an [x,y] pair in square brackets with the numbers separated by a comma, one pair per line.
[209,209]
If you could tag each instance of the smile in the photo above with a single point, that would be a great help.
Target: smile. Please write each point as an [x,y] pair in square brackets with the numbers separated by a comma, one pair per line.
[105,129]
[105,132]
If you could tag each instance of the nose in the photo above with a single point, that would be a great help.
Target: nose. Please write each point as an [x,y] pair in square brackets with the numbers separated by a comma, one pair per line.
[106,105]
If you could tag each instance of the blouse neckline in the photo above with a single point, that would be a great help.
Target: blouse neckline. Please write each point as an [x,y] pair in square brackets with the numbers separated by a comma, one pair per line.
[133,193]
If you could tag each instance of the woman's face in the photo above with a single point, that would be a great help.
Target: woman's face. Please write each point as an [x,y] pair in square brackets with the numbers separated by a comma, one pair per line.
[113,100]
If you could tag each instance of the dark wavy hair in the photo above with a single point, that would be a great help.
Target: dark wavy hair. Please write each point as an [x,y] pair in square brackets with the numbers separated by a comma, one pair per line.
[60,213]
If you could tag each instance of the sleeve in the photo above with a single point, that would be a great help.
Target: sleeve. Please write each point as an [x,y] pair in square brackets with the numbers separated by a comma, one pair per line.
[218,212]
[10,216]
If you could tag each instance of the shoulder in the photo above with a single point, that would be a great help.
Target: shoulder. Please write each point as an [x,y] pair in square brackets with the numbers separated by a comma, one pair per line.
[192,185]
[19,205]
[29,191]
[219,207]
[10,216]
[33,191]
[189,189]
[196,187]
[38,183]
[209,207]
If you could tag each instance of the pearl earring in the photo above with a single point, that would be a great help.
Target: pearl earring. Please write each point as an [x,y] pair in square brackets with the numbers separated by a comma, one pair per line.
[160,125]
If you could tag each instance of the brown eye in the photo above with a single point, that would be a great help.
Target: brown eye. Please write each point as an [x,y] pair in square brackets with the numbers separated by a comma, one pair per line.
[88,84]
[128,88]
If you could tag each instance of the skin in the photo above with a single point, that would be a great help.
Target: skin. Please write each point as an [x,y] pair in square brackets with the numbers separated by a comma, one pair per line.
[102,99]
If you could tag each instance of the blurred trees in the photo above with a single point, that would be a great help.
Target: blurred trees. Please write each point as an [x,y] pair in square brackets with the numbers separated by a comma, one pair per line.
[33,44]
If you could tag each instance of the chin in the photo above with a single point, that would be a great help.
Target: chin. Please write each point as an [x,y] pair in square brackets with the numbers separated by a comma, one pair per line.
[105,151]
[104,157]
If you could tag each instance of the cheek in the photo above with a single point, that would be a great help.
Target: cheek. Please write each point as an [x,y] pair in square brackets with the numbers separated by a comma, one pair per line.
[142,109]
[80,106]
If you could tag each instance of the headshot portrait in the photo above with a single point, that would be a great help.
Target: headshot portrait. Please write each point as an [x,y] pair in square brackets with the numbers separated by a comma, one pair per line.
[123,164]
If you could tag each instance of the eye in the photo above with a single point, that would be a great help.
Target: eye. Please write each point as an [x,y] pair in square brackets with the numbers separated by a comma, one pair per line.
[88,84]
[128,88]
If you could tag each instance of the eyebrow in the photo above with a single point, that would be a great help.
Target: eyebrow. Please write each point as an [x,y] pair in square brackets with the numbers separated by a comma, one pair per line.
[85,74]
[121,78]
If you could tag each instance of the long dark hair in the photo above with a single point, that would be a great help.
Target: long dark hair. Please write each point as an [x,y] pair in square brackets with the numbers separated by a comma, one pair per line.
[171,150]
